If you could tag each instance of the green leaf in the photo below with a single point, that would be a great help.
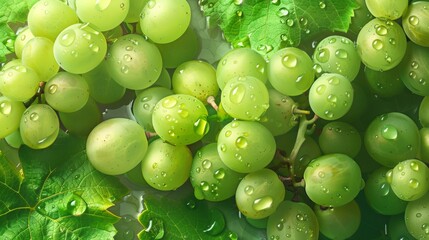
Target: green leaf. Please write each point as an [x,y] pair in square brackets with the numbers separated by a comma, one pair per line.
[269,25]
[61,195]
[11,11]
[177,216]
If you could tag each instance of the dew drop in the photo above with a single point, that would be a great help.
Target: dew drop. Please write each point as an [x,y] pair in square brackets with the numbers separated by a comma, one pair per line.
[169,102]
[201,126]
[323,55]
[237,94]
[389,132]
[124,69]
[241,142]
[414,166]
[341,53]
[322,5]
[34,116]
[377,44]
[413,183]
[384,189]
[223,148]
[414,64]
[321,174]
[53,89]
[206,164]
[263,203]
[289,61]
[249,190]
[290,22]
[381,30]
[283,12]
[219,174]
[332,98]
[329,114]
[151,4]
[321,89]
[238,2]
[204,186]
[413,20]
[102,5]
[239,13]
[334,81]
[76,205]
[5,108]
[228,133]
[68,38]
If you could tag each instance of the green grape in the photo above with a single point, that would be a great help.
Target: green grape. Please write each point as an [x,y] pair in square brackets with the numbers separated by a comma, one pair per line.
[424,147]
[359,109]
[293,220]
[180,119]
[391,138]
[12,63]
[144,104]
[135,9]
[338,222]
[39,126]
[245,98]
[195,78]
[389,9]
[361,16]
[80,48]
[38,55]
[337,54]
[66,92]
[164,21]
[23,36]
[414,69]
[166,167]
[116,146]
[14,139]
[417,217]
[240,62]
[386,83]
[245,146]
[135,175]
[332,180]
[290,71]
[409,179]
[414,22]
[19,83]
[331,96]
[164,80]
[134,62]
[10,115]
[340,137]
[81,122]
[259,193]
[185,48]
[424,112]
[102,87]
[104,15]
[258,223]
[279,117]
[380,196]
[381,44]
[211,178]
[49,17]
[396,228]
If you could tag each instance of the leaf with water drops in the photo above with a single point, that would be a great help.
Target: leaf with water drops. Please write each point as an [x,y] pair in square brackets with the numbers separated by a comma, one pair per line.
[60,195]
[267,26]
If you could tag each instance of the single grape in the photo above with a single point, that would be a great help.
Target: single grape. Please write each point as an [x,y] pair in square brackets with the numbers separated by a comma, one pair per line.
[340,137]
[414,21]
[104,15]
[396,228]
[240,62]
[211,178]
[164,80]
[337,54]
[180,119]
[409,179]
[417,217]
[14,139]
[381,44]
[116,146]
[23,36]
[389,9]
[66,92]
[279,117]
[259,194]
[80,48]
[135,9]
[164,21]
[39,126]
[166,167]
[82,121]
[49,17]
[12,63]
[245,98]
[338,222]
[144,104]
[424,147]
[10,115]
[332,180]
[245,146]
[331,96]
[386,83]
[195,78]
[38,54]
[19,83]
[424,112]
[133,62]
[290,71]
[293,220]
[391,138]
[380,195]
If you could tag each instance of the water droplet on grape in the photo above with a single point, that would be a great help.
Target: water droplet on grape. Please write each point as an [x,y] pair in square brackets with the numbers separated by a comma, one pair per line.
[341,53]
[323,55]
[34,116]
[68,38]
[300,217]
[321,174]
[204,186]
[414,166]
[332,98]
[5,108]
[249,190]
[219,174]
[53,89]
[384,189]
[151,4]
[381,30]
[169,102]
[413,20]
[223,148]
[228,133]
[334,81]
[241,142]
[389,132]
[237,94]
[102,5]
[289,61]
[321,89]
[377,44]
[413,183]
[206,164]
[317,68]
[124,69]
[263,203]
[201,126]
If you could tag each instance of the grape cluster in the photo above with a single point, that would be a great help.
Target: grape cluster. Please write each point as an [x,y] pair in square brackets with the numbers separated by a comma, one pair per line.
[306,141]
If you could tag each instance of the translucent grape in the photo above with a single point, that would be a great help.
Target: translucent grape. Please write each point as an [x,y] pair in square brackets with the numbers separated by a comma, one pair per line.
[81,122]
[259,194]
[180,119]
[116,146]
[19,83]
[245,146]
[396,228]
[38,55]
[413,71]
[24,35]
[424,112]
[103,14]
[39,126]
[417,217]
[389,9]
[414,21]
[14,139]
[166,167]
[386,83]
[135,9]
[340,137]
[10,115]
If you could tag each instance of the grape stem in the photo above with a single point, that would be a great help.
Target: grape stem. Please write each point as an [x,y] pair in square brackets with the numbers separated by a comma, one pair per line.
[150,135]
[298,111]
[211,101]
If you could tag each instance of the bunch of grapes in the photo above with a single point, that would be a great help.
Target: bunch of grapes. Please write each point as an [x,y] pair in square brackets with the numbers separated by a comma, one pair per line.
[294,138]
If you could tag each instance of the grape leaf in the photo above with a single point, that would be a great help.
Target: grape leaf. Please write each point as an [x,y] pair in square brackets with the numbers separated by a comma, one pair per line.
[176,216]
[11,11]
[60,196]
[269,25]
